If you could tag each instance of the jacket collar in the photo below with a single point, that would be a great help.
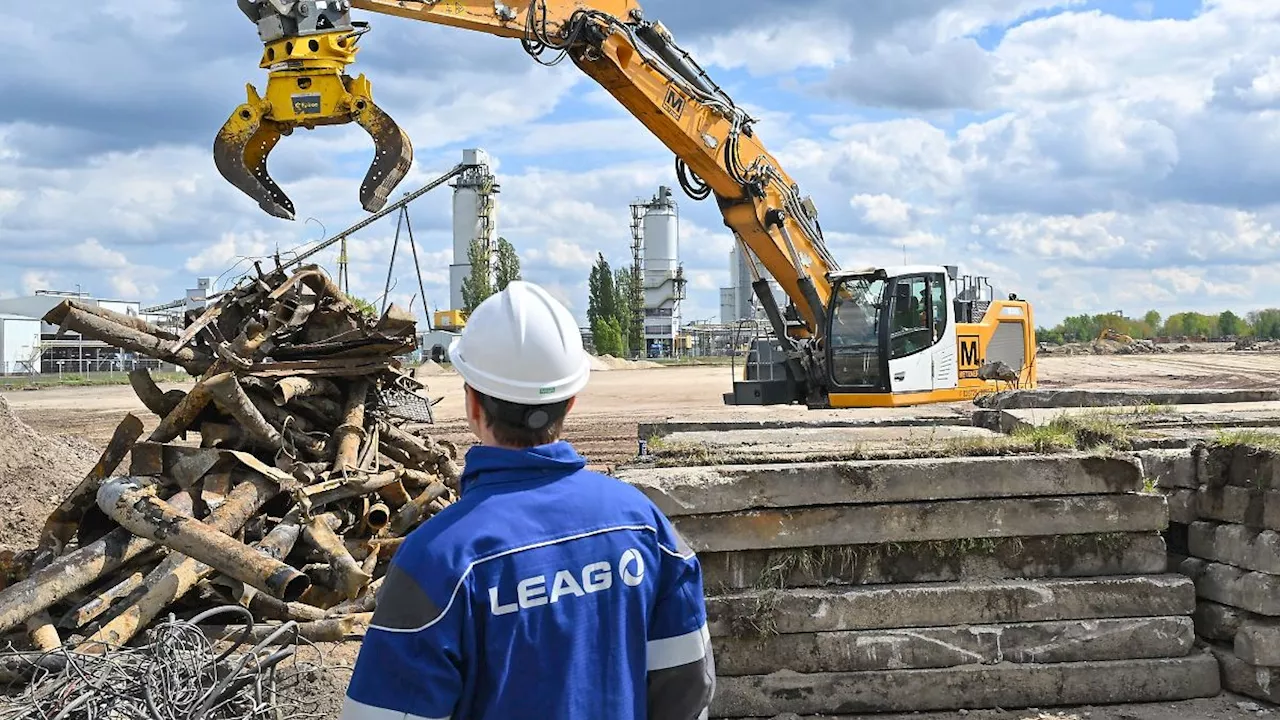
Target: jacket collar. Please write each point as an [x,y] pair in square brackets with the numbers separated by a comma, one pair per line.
[487,465]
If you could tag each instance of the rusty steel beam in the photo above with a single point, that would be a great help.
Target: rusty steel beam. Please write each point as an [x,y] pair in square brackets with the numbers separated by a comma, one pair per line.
[286,389]
[152,518]
[62,523]
[348,576]
[351,432]
[76,570]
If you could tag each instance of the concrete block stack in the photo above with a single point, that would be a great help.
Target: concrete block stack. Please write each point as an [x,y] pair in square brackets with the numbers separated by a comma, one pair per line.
[1232,554]
[935,584]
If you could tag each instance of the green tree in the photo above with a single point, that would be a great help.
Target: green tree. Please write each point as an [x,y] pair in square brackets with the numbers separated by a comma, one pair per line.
[1230,324]
[508,264]
[602,308]
[1152,319]
[1266,323]
[478,285]
[626,289]
[364,306]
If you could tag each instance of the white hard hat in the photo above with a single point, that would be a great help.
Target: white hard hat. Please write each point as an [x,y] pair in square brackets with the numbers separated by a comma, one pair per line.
[522,346]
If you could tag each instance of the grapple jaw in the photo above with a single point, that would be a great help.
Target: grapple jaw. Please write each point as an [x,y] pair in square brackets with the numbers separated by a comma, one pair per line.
[307,88]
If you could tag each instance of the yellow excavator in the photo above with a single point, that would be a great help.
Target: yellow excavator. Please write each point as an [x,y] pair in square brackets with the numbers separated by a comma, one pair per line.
[873,337]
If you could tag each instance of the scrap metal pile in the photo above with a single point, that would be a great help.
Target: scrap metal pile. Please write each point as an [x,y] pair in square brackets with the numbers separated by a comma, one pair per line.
[283,481]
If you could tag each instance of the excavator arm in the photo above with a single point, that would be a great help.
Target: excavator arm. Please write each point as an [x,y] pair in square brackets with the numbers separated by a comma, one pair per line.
[308,44]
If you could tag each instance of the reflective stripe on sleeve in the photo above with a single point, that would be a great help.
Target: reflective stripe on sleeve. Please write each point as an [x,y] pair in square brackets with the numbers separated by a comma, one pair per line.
[679,650]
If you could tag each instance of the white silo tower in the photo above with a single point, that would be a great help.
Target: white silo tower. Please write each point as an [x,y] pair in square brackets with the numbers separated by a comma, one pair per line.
[474,207]
[663,277]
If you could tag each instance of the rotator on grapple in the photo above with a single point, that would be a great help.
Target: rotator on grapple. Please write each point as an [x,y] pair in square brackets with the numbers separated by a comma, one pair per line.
[307,47]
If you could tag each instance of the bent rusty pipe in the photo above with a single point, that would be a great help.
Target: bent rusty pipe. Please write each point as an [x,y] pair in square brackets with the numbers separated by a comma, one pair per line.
[160,403]
[152,518]
[76,570]
[348,576]
[286,389]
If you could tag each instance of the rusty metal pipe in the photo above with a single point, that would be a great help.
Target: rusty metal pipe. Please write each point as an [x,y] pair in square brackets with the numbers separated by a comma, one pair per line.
[153,519]
[160,403]
[61,524]
[76,570]
[131,339]
[394,495]
[334,490]
[182,416]
[93,608]
[348,576]
[231,399]
[366,603]
[351,432]
[377,517]
[44,636]
[411,513]
[60,311]
[336,629]
[286,389]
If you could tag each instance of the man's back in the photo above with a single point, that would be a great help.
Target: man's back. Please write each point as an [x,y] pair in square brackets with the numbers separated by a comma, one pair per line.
[546,592]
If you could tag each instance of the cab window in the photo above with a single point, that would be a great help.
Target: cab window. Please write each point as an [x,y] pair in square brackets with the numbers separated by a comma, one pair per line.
[938,294]
[910,329]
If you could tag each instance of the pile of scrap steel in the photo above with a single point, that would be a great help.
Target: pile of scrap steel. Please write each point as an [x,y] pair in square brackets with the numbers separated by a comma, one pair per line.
[282,481]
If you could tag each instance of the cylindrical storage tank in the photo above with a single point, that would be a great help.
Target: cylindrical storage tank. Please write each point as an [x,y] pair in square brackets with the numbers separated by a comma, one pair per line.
[466,227]
[661,238]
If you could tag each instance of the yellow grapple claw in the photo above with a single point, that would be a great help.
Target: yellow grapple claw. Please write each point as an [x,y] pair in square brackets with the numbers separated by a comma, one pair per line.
[240,153]
[307,88]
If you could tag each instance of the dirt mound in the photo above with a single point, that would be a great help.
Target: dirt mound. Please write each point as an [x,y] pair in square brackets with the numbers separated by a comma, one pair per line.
[609,362]
[36,472]
[1104,347]
[429,369]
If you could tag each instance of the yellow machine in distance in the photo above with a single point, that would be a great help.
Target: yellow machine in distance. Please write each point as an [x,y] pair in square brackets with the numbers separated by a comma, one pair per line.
[956,348]
[449,320]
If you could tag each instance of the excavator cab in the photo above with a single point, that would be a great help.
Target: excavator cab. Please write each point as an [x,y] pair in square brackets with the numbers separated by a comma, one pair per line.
[307,46]
[921,334]
[900,336]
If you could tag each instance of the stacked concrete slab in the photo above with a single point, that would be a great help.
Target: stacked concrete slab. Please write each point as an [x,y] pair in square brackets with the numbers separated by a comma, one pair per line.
[1232,552]
[935,584]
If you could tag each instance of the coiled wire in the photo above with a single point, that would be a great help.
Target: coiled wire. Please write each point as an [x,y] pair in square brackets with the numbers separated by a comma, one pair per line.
[177,674]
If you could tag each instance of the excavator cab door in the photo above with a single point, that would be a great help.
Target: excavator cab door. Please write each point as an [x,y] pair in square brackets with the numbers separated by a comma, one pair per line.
[891,334]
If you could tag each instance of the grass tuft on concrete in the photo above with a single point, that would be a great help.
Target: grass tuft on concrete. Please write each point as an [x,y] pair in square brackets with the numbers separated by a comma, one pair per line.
[1247,438]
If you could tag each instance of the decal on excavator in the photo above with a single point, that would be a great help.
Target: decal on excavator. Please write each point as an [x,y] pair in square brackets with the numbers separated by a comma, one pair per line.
[970,356]
[674,103]
[306,104]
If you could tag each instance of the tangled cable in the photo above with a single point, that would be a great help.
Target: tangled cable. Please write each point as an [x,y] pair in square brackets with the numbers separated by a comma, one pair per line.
[178,674]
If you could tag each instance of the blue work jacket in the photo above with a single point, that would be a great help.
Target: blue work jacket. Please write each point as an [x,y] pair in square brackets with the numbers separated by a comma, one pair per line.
[547,591]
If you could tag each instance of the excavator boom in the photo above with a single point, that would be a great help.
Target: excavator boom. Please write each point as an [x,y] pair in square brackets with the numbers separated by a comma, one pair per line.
[308,43]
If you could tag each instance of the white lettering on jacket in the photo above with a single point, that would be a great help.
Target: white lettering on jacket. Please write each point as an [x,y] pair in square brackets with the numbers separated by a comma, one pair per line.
[592,578]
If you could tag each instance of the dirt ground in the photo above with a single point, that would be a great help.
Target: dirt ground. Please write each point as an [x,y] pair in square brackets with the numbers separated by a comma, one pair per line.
[603,427]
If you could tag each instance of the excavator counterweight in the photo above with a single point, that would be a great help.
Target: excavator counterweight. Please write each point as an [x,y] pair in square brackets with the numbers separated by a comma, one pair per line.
[307,47]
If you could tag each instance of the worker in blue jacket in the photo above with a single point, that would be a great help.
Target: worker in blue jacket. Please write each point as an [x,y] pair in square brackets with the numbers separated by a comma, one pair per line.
[546,591]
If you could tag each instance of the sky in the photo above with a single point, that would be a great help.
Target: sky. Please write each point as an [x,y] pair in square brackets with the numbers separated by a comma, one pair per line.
[1089,156]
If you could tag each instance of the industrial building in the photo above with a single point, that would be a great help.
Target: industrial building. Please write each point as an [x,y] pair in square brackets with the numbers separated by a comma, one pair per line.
[738,302]
[29,345]
[474,218]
